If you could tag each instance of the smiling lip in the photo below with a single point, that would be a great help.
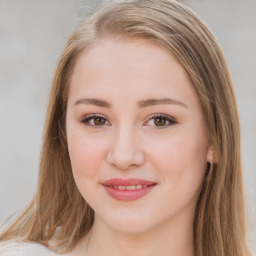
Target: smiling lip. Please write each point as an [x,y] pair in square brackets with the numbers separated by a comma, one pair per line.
[128,189]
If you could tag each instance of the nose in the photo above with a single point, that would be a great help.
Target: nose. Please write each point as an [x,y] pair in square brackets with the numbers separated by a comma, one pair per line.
[125,152]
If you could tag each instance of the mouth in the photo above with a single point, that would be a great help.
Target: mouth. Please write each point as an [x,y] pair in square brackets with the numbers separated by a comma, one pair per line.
[132,187]
[129,189]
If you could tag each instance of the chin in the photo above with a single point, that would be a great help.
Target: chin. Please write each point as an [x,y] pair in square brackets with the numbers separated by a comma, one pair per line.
[131,227]
[129,221]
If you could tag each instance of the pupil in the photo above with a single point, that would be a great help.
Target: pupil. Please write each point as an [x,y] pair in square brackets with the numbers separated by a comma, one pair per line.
[99,121]
[159,121]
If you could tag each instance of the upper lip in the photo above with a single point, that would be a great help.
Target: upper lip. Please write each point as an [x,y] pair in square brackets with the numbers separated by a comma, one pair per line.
[127,182]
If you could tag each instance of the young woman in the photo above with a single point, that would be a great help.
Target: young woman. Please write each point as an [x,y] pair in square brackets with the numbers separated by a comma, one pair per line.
[141,151]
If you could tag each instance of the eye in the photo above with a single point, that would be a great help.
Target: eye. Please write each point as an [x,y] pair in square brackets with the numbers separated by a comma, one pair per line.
[160,121]
[157,120]
[95,121]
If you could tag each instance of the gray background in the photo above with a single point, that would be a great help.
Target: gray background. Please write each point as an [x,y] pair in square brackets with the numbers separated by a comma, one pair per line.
[32,35]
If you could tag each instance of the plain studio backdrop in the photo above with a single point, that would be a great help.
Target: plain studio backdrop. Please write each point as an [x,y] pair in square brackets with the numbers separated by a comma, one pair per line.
[32,36]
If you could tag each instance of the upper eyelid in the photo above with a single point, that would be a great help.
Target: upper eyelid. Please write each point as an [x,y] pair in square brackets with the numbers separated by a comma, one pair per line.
[92,115]
[161,115]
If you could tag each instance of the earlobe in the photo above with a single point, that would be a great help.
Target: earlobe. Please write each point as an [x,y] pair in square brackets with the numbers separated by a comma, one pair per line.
[212,156]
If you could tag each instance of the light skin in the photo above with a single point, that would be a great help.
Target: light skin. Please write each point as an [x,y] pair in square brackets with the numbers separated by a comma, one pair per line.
[129,84]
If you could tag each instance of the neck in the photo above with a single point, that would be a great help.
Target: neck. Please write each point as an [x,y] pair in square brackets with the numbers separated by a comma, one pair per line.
[171,239]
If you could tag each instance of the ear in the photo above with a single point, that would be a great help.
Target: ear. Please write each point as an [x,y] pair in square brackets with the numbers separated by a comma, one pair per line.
[212,156]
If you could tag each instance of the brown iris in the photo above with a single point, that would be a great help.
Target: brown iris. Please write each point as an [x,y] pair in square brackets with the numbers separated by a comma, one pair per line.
[160,121]
[99,121]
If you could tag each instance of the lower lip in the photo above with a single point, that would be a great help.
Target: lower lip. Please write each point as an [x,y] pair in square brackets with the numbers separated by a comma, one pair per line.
[128,195]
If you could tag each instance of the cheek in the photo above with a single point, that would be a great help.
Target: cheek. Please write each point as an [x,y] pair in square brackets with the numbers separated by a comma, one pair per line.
[181,164]
[180,159]
[86,154]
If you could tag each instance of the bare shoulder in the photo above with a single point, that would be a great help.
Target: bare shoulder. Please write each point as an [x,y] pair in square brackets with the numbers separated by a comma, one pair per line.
[12,248]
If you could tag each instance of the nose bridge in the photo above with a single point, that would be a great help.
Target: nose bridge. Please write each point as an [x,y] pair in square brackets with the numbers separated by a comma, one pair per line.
[125,150]
[125,138]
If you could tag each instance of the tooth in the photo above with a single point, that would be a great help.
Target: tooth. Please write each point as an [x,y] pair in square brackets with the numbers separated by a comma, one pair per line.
[130,187]
[138,186]
[144,186]
[121,187]
[116,187]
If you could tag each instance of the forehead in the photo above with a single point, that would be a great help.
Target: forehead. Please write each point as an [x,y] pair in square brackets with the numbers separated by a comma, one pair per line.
[136,68]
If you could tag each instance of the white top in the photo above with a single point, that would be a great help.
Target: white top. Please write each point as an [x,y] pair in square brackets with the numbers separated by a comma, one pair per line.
[11,248]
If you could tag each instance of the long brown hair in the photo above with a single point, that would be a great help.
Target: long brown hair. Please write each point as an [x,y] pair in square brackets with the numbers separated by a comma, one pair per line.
[58,216]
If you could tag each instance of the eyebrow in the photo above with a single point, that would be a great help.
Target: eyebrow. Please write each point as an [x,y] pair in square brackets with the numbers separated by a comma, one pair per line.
[141,103]
[153,102]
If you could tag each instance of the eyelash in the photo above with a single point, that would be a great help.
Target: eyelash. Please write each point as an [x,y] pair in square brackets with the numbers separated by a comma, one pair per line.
[171,121]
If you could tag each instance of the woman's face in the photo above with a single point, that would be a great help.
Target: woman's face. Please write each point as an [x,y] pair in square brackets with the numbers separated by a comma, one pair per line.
[136,135]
